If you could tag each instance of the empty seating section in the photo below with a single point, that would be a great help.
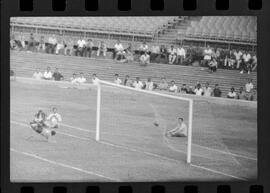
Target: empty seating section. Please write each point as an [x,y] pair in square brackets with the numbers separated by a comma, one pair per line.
[233,28]
[128,25]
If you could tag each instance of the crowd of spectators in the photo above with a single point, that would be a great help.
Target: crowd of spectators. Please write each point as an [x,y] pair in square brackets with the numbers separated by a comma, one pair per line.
[212,58]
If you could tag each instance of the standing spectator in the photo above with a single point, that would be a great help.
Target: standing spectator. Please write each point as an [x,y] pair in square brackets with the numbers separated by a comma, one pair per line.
[232,94]
[246,62]
[69,48]
[181,55]
[198,90]
[48,74]
[207,55]
[238,57]
[52,42]
[229,60]
[241,95]
[137,83]
[37,74]
[207,91]
[88,48]
[118,51]
[41,45]
[117,80]
[155,50]
[128,81]
[249,90]
[254,62]
[81,47]
[184,89]
[173,87]
[145,59]
[213,65]
[172,54]
[81,78]
[128,54]
[217,92]
[143,48]
[57,75]
[149,84]
[12,42]
[102,48]
[31,44]
[59,47]
[163,85]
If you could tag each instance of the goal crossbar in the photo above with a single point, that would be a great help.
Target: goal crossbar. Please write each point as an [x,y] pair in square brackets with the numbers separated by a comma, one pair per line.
[190,101]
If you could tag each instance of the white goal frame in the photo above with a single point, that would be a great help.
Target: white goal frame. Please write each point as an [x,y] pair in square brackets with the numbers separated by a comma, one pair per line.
[190,101]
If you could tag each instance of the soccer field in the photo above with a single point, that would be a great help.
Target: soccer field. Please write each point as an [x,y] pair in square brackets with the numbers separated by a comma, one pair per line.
[131,147]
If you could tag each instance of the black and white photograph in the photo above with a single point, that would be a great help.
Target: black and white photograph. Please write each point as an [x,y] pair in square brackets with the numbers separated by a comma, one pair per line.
[133,99]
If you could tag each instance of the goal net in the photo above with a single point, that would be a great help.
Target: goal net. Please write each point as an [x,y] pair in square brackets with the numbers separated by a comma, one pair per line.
[140,118]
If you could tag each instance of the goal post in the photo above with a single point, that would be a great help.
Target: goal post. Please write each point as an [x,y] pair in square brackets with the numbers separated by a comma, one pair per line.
[99,84]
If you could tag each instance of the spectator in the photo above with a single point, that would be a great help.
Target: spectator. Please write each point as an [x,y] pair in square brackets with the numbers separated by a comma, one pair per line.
[213,65]
[238,57]
[52,42]
[163,85]
[173,87]
[207,91]
[81,78]
[94,79]
[12,75]
[12,42]
[137,83]
[41,45]
[172,54]
[217,92]
[190,90]
[155,51]
[102,49]
[73,79]
[246,62]
[149,84]
[181,55]
[128,81]
[118,51]
[229,60]
[81,43]
[232,94]
[249,90]
[117,80]
[143,48]
[31,44]
[207,55]
[198,90]
[184,89]
[128,54]
[88,48]
[254,63]
[162,57]
[57,75]
[48,74]
[144,59]
[59,47]
[241,95]
[37,74]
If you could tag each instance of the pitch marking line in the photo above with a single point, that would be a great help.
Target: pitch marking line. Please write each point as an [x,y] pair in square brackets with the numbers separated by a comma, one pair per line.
[62,165]
[144,152]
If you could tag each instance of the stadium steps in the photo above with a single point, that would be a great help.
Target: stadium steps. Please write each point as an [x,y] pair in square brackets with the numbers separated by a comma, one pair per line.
[24,64]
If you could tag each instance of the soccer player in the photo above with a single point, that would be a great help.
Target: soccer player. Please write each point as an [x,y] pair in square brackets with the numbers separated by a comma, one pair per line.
[54,118]
[180,130]
[40,126]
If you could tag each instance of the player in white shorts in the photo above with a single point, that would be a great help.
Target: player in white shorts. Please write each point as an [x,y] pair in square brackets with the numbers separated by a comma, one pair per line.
[179,131]
[54,118]
[40,126]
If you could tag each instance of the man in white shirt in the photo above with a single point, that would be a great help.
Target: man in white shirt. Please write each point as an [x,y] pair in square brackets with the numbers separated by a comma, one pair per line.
[48,74]
[94,79]
[149,84]
[137,83]
[155,50]
[207,91]
[181,55]
[232,94]
[163,85]
[198,90]
[246,59]
[73,79]
[249,86]
[145,59]
[180,130]
[54,118]
[172,54]
[238,57]
[81,43]
[207,55]
[102,48]
[173,87]
[52,44]
[37,75]
[143,48]
[118,51]
[81,79]
[117,80]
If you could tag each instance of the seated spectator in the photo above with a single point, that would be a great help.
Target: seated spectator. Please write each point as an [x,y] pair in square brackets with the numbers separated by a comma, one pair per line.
[241,95]
[128,54]
[184,89]
[117,80]
[73,79]
[249,90]
[163,85]
[254,62]
[155,51]
[207,91]
[31,44]
[102,48]
[52,42]
[118,52]
[37,75]
[232,94]
[128,81]
[94,79]
[143,48]
[88,48]
[173,87]
[144,59]
[163,55]
[137,83]
[48,74]
[207,55]
[172,54]
[198,90]
[229,62]
[190,90]
[213,65]
[217,91]
[149,84]
[238,57]
[81,79]
[57,75]
[81,43]
[41,45]
[181,55]
[246,62]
